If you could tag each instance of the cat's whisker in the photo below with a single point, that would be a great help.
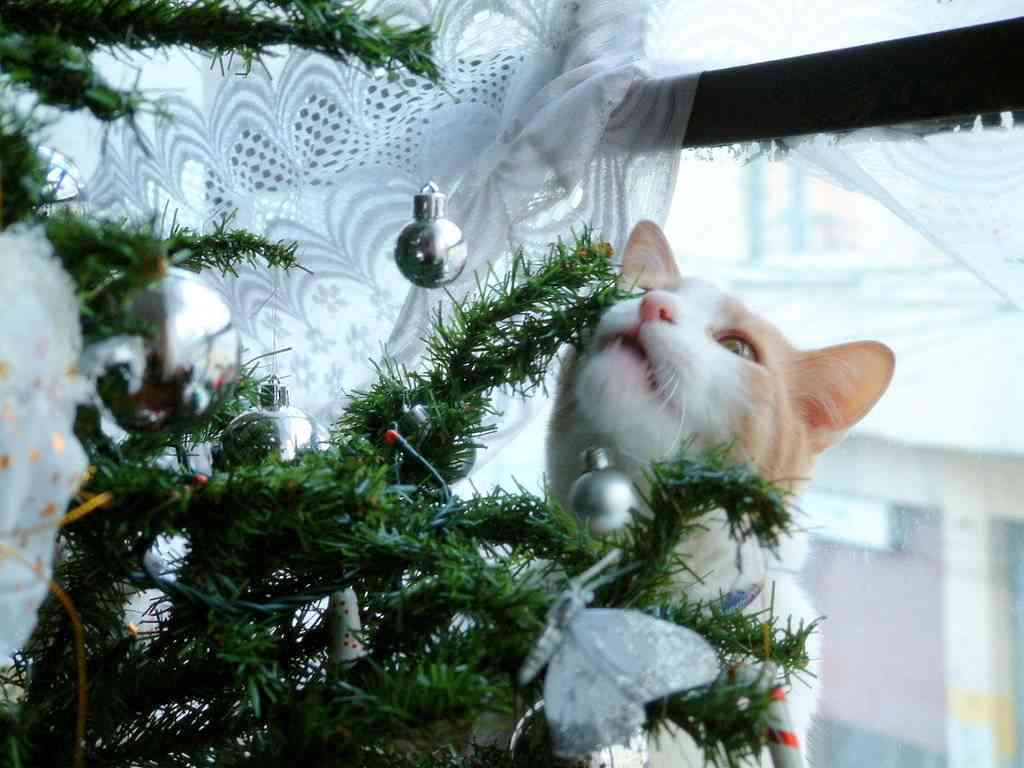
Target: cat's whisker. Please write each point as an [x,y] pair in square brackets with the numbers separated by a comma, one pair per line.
[626,453]
[674,383]
[677,438]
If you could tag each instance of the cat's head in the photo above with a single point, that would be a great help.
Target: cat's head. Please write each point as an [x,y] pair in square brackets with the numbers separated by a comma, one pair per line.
[687,362]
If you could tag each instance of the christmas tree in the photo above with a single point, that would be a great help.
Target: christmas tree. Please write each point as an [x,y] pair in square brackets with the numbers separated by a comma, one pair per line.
[250,657]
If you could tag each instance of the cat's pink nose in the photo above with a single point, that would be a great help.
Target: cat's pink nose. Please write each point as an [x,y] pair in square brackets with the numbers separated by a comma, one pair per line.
[656,306]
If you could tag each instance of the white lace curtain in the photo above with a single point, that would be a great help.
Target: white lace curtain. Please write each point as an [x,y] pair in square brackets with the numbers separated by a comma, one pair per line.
[553,114]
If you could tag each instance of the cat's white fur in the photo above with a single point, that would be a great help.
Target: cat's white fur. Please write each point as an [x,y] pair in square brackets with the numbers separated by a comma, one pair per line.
[684,385]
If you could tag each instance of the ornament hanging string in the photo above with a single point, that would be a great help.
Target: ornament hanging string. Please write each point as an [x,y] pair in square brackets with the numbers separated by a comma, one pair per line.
[99,501]
[82,709]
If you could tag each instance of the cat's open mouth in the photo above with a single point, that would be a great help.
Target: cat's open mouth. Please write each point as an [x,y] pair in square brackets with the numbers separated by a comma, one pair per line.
[630,344]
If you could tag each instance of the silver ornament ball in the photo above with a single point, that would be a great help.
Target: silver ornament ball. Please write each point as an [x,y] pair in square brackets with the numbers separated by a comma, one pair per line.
[603,498]
[65,184]
[430,251]
[185,365]
[275,430]
[531,737]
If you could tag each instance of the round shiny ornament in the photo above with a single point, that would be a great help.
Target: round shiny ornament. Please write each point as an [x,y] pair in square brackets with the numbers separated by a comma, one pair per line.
[65,184]
[275,430]
[531,739]
[183,368]
[430,251]
[602,497]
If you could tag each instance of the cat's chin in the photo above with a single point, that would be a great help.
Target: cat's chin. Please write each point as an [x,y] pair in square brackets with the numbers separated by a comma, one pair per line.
[613,398]
[628,358]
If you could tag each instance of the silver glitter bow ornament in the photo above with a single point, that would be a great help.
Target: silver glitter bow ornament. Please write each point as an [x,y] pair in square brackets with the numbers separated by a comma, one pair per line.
[606,664]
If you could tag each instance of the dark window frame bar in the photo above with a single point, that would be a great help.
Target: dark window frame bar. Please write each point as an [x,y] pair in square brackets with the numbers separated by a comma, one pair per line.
[944,76]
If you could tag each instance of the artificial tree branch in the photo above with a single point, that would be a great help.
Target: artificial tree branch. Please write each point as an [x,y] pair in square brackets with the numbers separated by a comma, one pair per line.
[506,334]
[227,27]
[21,172]
[111,261]
[61,75]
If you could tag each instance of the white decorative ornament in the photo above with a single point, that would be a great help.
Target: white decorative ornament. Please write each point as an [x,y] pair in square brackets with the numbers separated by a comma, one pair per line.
[345,626]
[41,460]
[605,665]
[634,753]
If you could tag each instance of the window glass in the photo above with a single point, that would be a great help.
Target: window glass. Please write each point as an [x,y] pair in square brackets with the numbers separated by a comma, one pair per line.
[915,517]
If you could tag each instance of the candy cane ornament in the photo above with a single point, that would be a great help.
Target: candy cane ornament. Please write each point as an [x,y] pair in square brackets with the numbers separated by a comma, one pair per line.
[783,742]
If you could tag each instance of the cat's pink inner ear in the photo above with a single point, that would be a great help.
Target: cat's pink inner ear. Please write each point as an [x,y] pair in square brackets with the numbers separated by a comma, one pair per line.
[836,387]
[647,260]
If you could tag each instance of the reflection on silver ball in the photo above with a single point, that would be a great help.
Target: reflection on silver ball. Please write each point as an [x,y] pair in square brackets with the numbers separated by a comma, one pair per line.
[635,753]
[602,497]
[275,431]
[165,555]
[530,738]
[65,184]
[190,358]
[430,251]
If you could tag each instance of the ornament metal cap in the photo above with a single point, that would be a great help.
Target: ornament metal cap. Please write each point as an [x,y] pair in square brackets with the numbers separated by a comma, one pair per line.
[595,458]
[430,203]
[273,395]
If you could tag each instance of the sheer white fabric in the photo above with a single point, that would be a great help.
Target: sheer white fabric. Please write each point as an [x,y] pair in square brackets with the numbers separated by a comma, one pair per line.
[535,131]
[553,114]
[960,191]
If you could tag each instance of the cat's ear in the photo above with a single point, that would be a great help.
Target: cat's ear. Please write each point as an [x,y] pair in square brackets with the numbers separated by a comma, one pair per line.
[836,387]
[647,260]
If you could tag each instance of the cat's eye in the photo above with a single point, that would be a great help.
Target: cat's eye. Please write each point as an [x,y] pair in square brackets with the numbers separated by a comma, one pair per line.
[739,346]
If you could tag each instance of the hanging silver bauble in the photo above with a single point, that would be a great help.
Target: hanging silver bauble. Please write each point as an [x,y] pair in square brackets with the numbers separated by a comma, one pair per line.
[430,251]
[65,184]
[182,369]
[603,498]
[531,738]
[275,430]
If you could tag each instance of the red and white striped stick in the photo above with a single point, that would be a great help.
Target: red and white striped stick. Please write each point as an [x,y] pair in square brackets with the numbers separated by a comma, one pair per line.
[783,742]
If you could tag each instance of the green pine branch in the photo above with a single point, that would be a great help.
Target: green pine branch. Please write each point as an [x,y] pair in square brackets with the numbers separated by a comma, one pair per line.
[754,506]
[225,249]
[238,670]
[61,75]
[110,262]
[506,335]
[227,27]
[21,172]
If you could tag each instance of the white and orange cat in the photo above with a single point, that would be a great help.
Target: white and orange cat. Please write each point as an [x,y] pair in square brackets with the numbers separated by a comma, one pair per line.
[688,364]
